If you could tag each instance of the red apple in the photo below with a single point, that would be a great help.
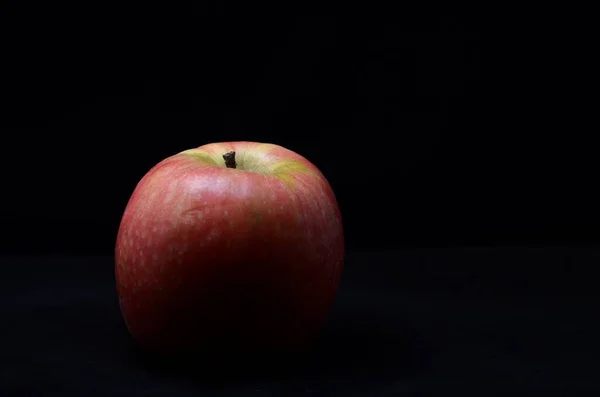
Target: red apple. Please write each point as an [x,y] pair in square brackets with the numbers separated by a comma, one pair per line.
[229,245]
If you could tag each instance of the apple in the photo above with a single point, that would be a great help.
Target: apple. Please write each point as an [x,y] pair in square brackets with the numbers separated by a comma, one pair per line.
[229,246]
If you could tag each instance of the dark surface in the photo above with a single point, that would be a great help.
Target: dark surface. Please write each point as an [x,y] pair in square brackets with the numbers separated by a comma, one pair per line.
[414,322]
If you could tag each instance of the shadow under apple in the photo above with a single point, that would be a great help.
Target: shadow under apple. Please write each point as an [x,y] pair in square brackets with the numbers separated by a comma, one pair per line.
[349,351]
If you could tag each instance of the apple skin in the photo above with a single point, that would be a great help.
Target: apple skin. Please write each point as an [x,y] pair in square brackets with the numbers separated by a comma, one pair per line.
[214,258]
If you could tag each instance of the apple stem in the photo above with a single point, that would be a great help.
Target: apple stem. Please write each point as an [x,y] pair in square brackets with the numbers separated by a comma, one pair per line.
[229,160]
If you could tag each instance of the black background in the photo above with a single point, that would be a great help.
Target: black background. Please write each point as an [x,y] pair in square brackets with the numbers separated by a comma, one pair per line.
[438,128]
[447,126]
